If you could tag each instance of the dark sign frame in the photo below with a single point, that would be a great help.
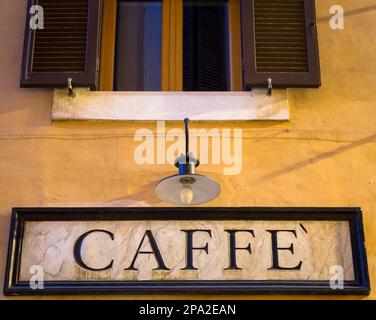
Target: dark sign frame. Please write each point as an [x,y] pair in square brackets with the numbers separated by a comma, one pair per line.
[12,286]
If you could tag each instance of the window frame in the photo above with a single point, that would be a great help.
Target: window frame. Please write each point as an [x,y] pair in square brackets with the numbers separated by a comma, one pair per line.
[172,45]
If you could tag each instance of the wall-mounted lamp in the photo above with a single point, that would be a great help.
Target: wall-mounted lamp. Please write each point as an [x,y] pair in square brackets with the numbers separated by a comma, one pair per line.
[187,188]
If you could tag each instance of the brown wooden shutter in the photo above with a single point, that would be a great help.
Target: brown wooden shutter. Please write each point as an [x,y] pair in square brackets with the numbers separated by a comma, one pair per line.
[67,47]
[280,42]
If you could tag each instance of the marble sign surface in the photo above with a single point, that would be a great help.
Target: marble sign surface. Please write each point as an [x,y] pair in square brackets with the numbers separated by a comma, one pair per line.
[316,246]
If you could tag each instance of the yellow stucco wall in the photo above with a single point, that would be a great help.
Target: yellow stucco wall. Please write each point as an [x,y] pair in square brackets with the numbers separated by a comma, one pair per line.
[324,156]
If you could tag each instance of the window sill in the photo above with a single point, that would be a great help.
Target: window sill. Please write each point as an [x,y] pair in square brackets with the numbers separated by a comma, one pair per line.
[170,106]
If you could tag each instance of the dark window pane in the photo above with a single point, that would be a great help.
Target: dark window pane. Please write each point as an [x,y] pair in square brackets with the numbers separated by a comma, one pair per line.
[206,42]
[138,46]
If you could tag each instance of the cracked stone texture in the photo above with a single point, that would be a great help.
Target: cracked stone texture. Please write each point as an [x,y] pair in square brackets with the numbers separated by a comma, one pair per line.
[50,245]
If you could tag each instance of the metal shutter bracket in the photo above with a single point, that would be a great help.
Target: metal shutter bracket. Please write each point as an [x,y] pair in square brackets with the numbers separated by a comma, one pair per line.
[70,88]
[270,87]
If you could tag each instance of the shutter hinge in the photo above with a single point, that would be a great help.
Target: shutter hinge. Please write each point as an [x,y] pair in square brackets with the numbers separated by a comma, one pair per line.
[312,28]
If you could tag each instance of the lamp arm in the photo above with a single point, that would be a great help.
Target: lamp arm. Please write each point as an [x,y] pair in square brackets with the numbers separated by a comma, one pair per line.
[186,121]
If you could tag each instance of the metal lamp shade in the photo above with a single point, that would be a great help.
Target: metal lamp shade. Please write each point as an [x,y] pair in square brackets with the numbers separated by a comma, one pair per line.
[204,189]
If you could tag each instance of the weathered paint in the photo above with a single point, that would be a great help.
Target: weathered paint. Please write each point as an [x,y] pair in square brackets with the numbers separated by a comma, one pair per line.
[324,156]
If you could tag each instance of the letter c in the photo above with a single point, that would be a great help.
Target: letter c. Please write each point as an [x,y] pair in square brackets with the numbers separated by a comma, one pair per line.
[78,246]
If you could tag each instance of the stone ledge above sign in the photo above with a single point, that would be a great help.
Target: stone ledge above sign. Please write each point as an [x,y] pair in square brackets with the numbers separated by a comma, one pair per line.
[187,250]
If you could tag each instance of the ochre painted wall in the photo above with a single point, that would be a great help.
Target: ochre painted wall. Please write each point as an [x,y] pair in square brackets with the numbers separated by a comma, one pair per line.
[324,156]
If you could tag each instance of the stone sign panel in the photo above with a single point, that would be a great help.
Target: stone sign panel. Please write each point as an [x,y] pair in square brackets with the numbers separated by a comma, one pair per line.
[186,250]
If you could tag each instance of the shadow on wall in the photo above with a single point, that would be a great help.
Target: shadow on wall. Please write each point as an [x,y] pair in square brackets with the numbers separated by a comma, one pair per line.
[322,156]
[145,197]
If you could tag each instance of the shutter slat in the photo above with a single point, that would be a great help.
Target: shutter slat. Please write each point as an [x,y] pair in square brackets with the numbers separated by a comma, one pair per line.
[67,47]
[277,15]
[58,14]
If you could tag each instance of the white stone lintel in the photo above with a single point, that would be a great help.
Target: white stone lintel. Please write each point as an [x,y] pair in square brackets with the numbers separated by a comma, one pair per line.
[170,106]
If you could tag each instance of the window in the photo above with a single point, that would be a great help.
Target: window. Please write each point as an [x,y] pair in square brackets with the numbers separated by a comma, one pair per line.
[205,46]
[173,45]
[138,53]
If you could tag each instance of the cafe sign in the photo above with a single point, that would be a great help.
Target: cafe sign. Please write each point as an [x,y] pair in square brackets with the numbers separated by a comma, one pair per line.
[186,251]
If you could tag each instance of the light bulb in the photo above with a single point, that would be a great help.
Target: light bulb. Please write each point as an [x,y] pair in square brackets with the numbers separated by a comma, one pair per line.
[186,194]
